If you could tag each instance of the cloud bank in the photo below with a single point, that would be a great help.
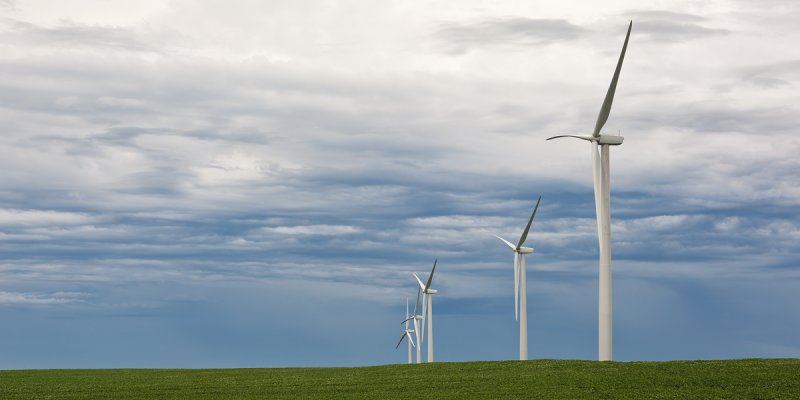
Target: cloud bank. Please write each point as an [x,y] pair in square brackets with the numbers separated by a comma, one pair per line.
[195,167]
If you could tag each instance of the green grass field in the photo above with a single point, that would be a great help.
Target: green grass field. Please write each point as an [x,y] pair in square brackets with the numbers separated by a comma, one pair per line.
[547,379]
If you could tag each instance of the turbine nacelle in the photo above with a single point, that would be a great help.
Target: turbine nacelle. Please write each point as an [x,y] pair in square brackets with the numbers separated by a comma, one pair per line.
[610,140]
[431,291]
[524,250]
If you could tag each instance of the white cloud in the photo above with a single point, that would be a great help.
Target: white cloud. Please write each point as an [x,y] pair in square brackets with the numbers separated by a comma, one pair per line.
[41,298]
[43,217]
[311,230]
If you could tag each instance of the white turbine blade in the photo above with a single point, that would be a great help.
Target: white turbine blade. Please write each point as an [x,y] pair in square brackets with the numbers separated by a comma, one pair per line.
[416,305]
[598,208]
[528,227]
[410,339]
[516,285]
[406,320]
[424,314]
[582,137]
[416,326]
[421,285]
[401,339]
[506,242]
[424,308]
[606,108]
[430,277]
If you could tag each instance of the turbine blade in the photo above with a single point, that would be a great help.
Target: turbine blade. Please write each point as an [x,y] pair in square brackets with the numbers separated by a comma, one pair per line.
[401,339]
[416,326]
[598,208]
[424,315]
[516,285]
[421,285]
[406,320]
[582,137]
[424,308]
[528,227]
[410,339]
[606,108]
[417,303]
[430,277]
[506,242]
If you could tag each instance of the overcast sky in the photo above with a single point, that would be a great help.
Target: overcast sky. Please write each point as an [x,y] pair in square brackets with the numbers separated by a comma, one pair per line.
[251,184]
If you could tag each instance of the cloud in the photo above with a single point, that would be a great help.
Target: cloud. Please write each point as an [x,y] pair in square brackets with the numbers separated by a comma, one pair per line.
[772,76]
[39,299]
[323,230]
[342,146]
[73,35]
[458,38]
[669,26]
[42,217]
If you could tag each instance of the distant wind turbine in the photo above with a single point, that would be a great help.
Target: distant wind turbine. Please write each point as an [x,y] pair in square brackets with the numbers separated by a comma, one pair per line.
[407,333]
[520,285]
[416,317]
[602,201]
[427,308]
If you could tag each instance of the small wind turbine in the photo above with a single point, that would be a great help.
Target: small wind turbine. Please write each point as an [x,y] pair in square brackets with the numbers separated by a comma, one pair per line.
[427,308]
[602,204]
[407,333]
[520,285]
[416,318]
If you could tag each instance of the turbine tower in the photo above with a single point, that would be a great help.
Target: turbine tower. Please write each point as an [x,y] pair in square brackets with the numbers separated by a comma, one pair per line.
[520,285]
[427,308]
[602,202]
[407,333]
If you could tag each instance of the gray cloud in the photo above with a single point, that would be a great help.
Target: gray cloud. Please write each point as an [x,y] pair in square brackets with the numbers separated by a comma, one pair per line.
[195,172]
[667,26]
[73,35]
[773,76]
[461,37]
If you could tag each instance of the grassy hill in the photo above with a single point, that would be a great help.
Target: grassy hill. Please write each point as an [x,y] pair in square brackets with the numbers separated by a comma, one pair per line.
[547,379]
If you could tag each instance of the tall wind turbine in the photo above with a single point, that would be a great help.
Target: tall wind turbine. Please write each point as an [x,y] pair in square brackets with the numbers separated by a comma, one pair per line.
[602,203]
[416,318]
[407,333]
[427,308]
[520,285]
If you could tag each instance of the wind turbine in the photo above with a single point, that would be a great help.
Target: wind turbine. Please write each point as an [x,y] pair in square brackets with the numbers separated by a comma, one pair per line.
[520,286]
[602,204]
[427,308]
[407,333]
[416,318]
